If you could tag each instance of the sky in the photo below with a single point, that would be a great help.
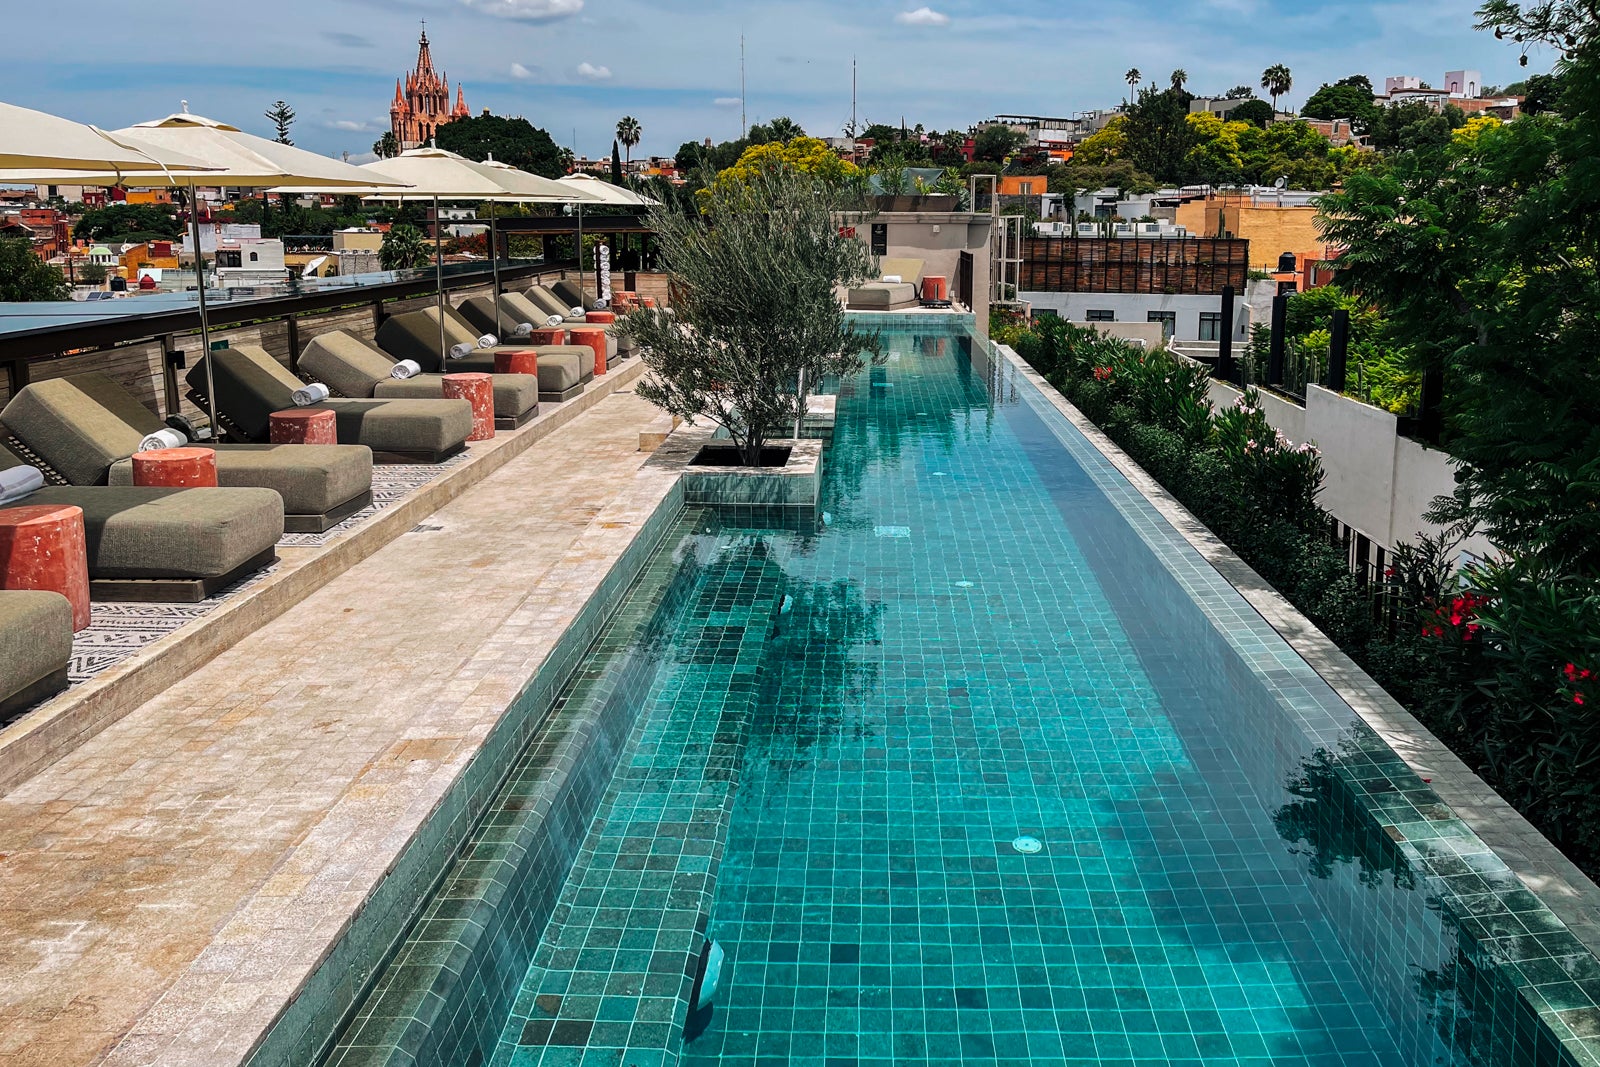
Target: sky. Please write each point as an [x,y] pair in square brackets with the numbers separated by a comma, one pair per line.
[575,66]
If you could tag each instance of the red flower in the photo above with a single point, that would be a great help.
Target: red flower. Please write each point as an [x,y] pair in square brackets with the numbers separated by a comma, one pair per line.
[1570,670]
[1577,698]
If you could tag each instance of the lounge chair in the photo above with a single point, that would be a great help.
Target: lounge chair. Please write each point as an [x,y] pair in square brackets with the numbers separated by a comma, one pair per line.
[174,545]
[547,301]
[515,308]
[889,296]
[351,367]
[568,290]
[85,428]
[251,385]
[414,335]
[35,647]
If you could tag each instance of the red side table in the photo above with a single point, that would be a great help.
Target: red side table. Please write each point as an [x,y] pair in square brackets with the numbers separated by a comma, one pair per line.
[176,468]
[479,390]
[516,362]
[935,289]
[42,546]
[603,318]
[548,335]
[648,301]
[595,338]
[303,426]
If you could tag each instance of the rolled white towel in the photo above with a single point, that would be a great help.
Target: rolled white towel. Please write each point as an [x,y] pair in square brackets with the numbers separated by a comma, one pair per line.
[488,340]
[890,278]
[523,329]
[405,369]
[576,313]
[18,482]
[460,351]
[554,320]
[162,439]
[306,395]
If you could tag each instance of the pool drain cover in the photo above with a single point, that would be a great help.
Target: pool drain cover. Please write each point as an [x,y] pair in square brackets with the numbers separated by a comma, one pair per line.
[1027,845]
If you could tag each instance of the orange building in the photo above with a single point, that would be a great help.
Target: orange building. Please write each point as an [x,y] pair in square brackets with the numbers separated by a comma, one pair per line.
[422,102]
[1271,228]
[1024,185]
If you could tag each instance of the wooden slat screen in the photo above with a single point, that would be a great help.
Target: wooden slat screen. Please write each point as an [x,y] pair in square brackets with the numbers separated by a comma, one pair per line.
[1191,266]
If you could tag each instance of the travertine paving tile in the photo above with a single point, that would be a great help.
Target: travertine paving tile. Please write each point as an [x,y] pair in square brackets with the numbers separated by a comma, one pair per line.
[167,886]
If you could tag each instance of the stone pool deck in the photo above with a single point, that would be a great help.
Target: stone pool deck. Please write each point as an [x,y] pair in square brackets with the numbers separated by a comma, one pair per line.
[171,882]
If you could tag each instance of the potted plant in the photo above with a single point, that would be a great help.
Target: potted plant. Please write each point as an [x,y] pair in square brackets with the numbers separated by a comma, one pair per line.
[754,325]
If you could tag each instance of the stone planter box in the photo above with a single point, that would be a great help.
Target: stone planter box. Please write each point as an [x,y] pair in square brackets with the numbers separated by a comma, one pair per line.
[797,484]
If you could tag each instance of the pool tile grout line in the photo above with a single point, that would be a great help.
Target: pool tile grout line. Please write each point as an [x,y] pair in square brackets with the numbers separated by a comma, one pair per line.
[1407,810]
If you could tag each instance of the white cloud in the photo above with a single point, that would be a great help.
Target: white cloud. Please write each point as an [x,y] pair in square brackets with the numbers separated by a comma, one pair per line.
[592,72]
[527,10]
[923,16]
[520,72]
[726,101]
[351,126]
[358,158]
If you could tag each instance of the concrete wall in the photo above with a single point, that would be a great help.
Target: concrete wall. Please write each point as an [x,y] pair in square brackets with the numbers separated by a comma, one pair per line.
[1135,307]
[938,238]
[1270,229]
[1376,481]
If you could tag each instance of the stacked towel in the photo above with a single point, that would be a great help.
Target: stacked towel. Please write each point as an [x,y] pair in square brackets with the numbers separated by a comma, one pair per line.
[405,369]
[460,351]
[895,278]
[18,482]
[576,313]
[523,329]
[488,340]
[163,439]
[554,320]
[306,395]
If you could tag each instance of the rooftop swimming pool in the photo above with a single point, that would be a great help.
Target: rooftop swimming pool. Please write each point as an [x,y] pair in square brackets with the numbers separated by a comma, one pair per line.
[987,767]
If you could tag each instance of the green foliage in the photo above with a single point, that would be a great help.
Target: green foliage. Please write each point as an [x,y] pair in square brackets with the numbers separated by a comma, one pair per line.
[290,218]
[1277,80]
[994,143]
[24,277]
[754,305]
[1348,99]
[128,222]
[1159,136]
[403,248]
[1543,93]
[1413,126]
[515,141]
[281,115]
[628,132]
[1257,113]
[387,146]
[782,129]
[91,273]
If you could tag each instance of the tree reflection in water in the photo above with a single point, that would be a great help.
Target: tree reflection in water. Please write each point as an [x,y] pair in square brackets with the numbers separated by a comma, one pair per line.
[1319,826]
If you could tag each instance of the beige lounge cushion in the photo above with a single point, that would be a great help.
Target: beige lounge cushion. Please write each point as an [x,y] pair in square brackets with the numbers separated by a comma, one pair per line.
[312,479]
[80,424]
[345,363]
[514,394]
[35,637]
[882,295]
[551,304]
[568,290]
[137,532]
[514,310]
[908,270]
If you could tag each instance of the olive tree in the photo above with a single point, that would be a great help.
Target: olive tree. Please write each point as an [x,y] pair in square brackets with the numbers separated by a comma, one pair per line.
[755,323]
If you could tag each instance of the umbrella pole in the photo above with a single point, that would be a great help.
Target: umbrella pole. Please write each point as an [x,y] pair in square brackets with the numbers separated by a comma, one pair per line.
[494,265]
[205,320]
[438,274]
[580,252]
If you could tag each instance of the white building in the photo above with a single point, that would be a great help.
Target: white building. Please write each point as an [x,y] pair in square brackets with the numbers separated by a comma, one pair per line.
[250,261]
[1463,83]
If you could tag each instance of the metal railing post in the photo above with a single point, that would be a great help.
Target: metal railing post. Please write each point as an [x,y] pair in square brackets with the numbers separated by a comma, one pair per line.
[1225,368]
[1280,318]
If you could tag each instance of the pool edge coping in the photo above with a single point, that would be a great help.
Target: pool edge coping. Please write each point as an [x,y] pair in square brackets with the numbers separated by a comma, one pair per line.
[1561,886]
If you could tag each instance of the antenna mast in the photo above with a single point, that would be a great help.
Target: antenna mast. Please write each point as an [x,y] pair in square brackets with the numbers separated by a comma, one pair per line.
[744,125]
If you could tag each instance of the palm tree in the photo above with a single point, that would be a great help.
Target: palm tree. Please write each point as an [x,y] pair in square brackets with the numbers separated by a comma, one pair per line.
[1180,77]
[1276,80]
[628,132]
[1133,78]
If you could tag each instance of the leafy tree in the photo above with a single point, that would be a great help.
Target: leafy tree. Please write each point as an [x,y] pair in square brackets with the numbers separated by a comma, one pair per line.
[1542,93]
[1414,125]
[1343,101]
[1239,92]
[1158,133]
[1118,174]
[878,132]
[1277,80]
[1359,81]
[281,115]
[1180,78]
[386,147]
[510,140]
[1105,145]
[128,222]
[783,128]
[1133,78]
[24,277]
[616,164]
[994,143]
[628,132]
[1257,113]
[403,248]
[806,155]
[92,273]
[753,300]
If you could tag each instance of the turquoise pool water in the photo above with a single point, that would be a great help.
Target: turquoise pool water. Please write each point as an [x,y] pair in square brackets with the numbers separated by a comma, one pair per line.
[837,739]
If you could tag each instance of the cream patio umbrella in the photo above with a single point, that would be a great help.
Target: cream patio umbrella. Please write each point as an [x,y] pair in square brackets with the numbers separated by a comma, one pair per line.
[441,175]
[232,158]
[33,140]
[605,193]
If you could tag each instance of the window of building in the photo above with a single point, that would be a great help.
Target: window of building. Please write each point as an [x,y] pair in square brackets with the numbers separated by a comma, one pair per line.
[227,259]
[1168,321]
[254,258]
[1099,315]
[880,238]
[1211,326]
[1046,313]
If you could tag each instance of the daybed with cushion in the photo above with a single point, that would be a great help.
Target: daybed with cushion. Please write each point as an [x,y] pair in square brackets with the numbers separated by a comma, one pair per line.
[85,428]
[516,309]
[568,290]
[352,367]
[35,647]
[152,544]
[251,385]
[889,296]
[547,301]
[414,335]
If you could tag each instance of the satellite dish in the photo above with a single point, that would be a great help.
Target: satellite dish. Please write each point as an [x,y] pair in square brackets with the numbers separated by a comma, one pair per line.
[1282,182]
